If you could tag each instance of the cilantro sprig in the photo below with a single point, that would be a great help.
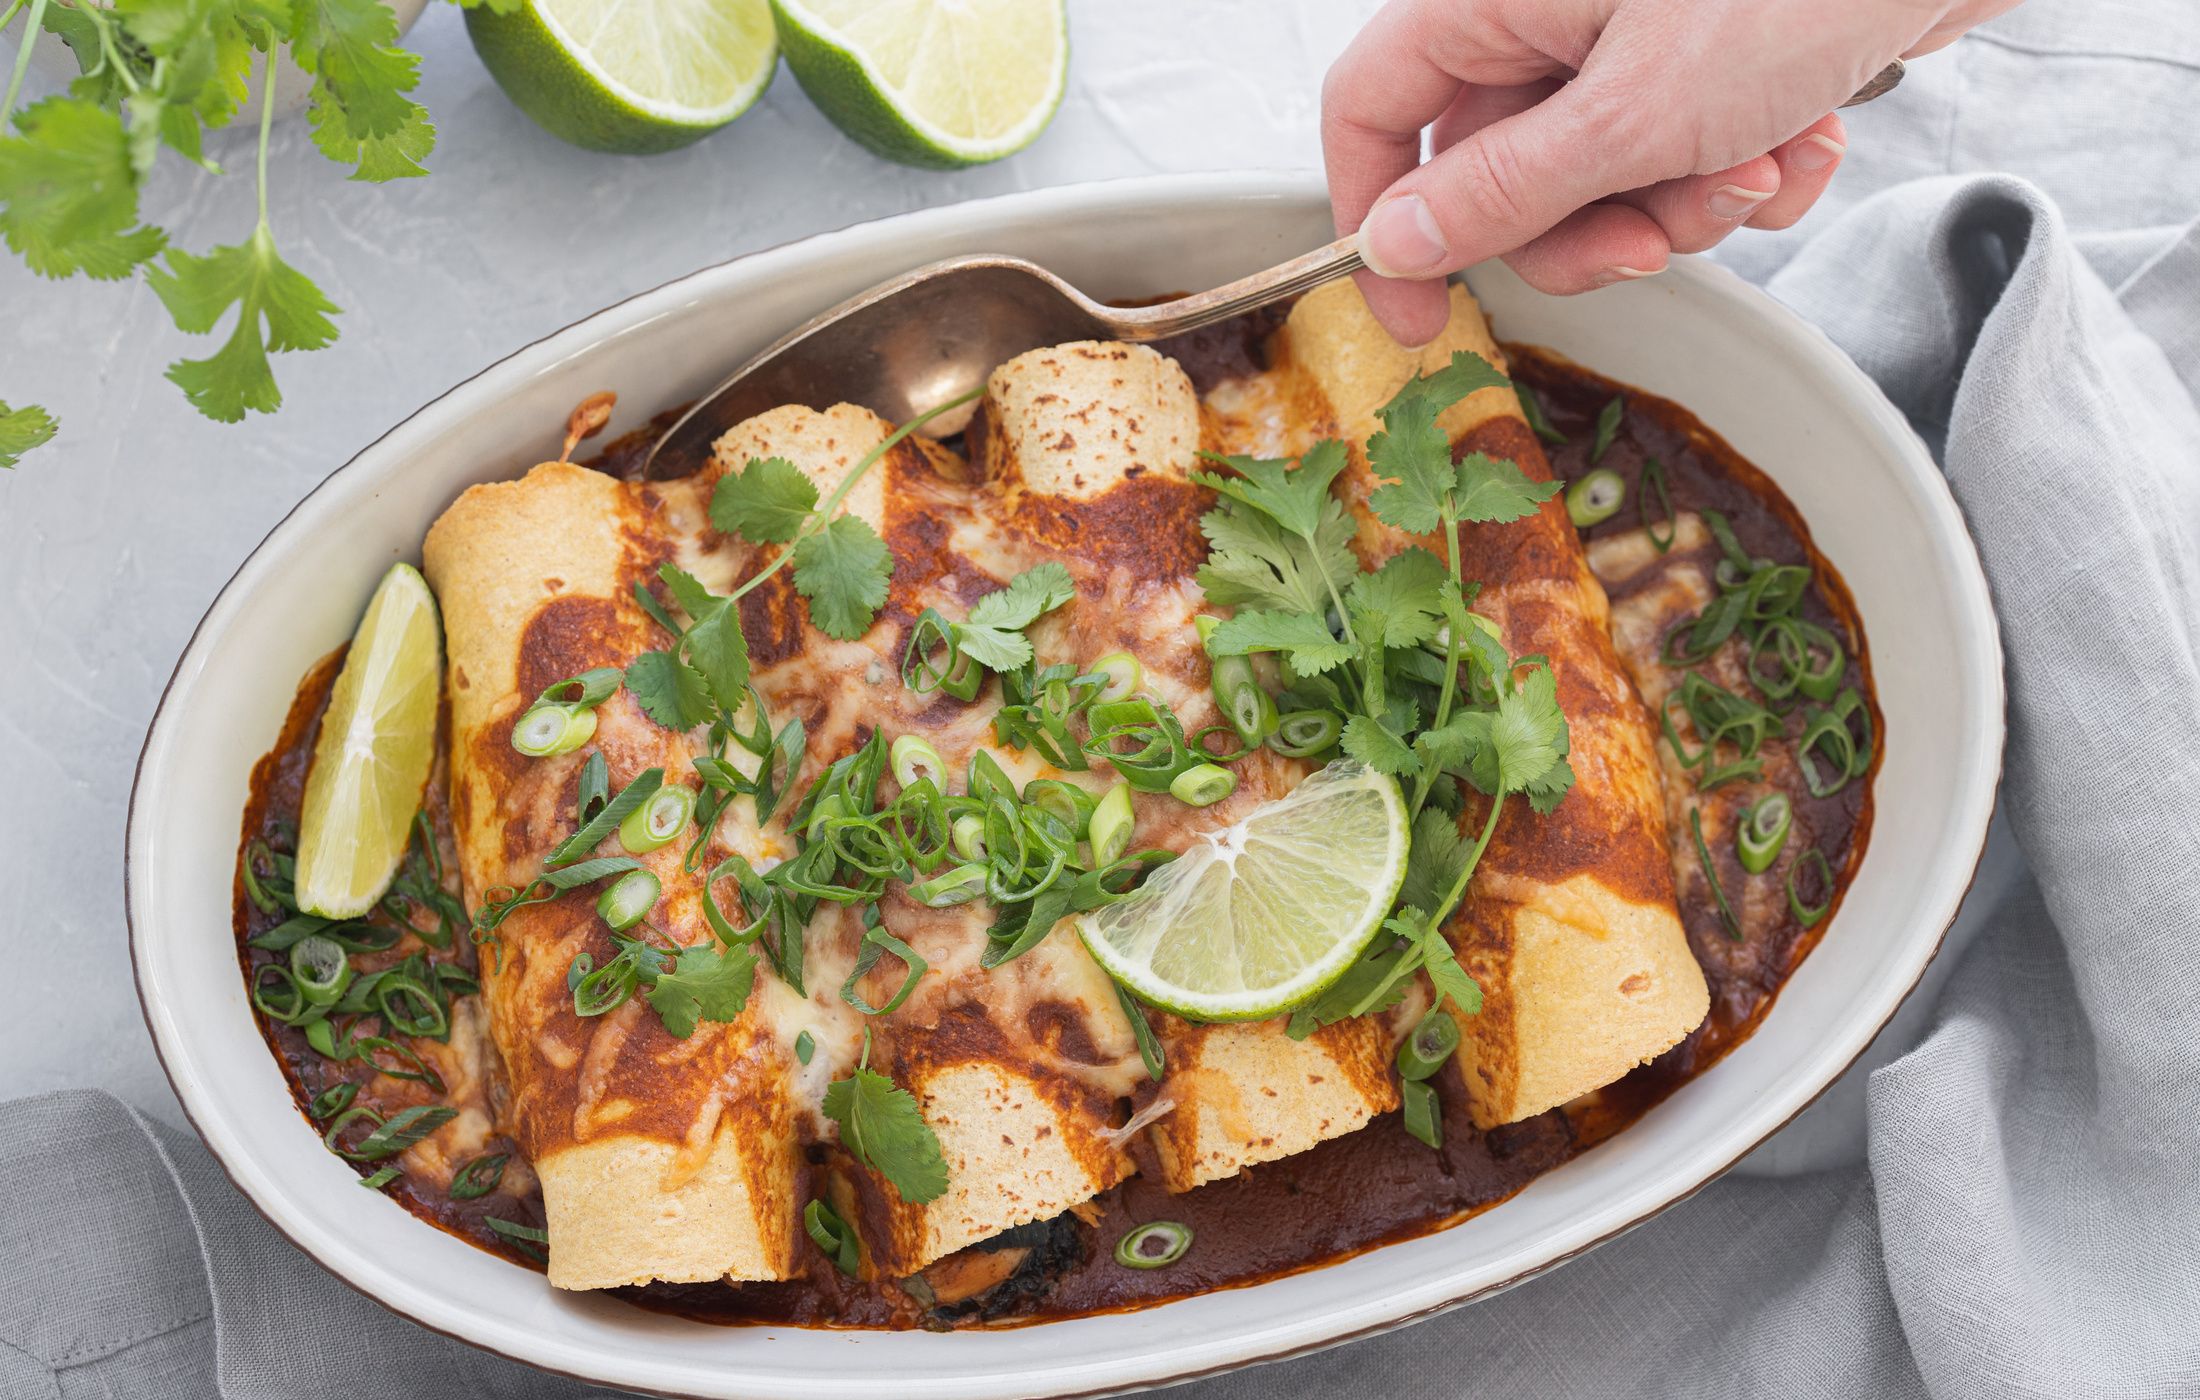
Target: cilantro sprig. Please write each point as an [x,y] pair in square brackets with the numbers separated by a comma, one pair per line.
[882,1127]
[1423,687]
[158,75]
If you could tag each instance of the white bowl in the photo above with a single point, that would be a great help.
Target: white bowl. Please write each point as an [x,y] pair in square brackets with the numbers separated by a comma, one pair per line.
[1777,389]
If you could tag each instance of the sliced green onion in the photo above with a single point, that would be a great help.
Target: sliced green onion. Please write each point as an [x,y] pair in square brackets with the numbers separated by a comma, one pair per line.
[1828,735]
[912,758]
[334,1099]
[627,900]
[1153,1245]
[603,823]
[392,1136]
[1808,915]
[805,1046]
[1205,624]
[969,836]
[986,779]
[1531,408]
[1250,710]
[380,1178]
[1596,497]
[835,1238]
[1203,785]
[321,967]
[876,943]
[1066,802]
[1112,825]
[1607,429]
[659,821]
[1424,1052]
[1653,484]
[1718,891]
[1305,733]
[521,1234]
[1424,1116]
[1124,675]
[1762,831]
[547,730]
[1149,1044]
[831,807]
[958,885]
[478,1177]
[426,1016]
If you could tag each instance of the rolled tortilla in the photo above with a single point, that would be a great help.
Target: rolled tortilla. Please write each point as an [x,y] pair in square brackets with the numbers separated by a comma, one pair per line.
[1571,925]
[659,1158]
[1091,445]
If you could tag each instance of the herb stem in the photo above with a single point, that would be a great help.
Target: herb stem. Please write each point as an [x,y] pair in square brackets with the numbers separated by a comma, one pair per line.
[267,126]
[107,50]
[22,58]
[1466,871]
[824,512]
[1450,688]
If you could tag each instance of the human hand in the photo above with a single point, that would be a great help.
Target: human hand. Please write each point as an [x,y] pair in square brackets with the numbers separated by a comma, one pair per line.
[1585,141]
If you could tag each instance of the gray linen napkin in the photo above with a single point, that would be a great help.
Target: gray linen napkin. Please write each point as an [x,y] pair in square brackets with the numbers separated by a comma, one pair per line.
[2027,1219]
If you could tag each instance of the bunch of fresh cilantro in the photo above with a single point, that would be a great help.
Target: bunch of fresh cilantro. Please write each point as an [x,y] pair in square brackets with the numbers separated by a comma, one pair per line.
[1425,689]
[160,74]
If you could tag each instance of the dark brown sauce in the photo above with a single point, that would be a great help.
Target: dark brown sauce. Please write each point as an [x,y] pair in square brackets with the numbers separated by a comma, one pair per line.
[1352,1193]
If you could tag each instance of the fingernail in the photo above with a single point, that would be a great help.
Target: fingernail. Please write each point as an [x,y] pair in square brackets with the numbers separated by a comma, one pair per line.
[1401,239]
[1815,153]
[1623,274]
[1732,201]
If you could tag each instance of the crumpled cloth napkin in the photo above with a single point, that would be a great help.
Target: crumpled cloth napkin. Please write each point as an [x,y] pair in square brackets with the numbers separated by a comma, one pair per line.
[2026,1221]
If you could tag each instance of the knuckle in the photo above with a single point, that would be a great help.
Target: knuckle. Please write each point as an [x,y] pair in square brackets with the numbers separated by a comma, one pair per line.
[1492,185]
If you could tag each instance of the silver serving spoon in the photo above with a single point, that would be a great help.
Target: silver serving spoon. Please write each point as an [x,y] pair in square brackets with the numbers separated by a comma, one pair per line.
[915,341]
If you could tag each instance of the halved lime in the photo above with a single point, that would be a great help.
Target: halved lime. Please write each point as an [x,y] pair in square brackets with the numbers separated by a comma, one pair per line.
[377,745]
[1259,916]
[634,76]
[936,83]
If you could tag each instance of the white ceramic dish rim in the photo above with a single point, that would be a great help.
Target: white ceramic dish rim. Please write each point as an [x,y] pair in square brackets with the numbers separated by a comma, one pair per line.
[1410,1299]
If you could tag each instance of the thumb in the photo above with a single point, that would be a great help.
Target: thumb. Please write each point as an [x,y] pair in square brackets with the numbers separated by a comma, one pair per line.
[1496,189]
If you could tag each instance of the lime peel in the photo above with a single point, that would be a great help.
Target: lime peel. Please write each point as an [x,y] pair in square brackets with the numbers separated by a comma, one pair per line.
[1262,915]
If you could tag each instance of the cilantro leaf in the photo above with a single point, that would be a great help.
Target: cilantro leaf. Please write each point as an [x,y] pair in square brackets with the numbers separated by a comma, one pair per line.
[1296,499]
[1403,600]
[670,691]
[1445,974]
[1369,741]
[717,649]
[766,502]
[267,292]
[395,155]
[1304,637]
[1254,560]
[993,634]
[882,1128]
[1494,490]
[1528,734]
[68,192]
[708,982]
[22,429]
[843,570]
[1434,860]
[1036,591]
[350,46]
[1413,452]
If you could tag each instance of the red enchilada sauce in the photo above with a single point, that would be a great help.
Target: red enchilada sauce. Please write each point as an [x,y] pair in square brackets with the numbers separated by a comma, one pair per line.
[1351,1193]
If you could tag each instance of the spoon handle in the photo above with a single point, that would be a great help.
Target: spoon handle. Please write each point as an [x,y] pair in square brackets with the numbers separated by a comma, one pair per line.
[1302,273]
[1310,270]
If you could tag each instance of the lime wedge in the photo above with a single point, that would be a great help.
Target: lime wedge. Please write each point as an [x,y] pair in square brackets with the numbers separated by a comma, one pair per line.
[634,76]
[936,83]
[371,761]
[1257,917]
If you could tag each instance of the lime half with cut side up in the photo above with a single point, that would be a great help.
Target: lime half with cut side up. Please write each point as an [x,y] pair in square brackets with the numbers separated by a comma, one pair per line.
[374,753]
[631,76]
[1255,918]
[935,83]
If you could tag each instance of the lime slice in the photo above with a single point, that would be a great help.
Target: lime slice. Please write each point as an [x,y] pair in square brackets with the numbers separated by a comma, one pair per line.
[1257,917]
[371,762]
[634,76]
[937,83]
